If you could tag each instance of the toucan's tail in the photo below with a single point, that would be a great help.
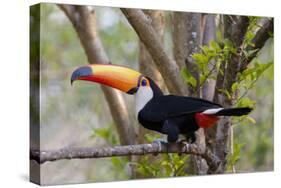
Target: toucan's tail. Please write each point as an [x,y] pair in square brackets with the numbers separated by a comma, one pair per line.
[228,111]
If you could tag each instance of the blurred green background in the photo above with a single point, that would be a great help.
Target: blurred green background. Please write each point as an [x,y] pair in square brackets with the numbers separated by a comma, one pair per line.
[79,116]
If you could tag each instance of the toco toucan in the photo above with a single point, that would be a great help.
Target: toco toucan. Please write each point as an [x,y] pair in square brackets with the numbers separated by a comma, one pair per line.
[168,114]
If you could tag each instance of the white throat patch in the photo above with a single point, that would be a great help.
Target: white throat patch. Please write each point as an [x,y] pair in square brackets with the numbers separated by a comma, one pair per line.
[143,95]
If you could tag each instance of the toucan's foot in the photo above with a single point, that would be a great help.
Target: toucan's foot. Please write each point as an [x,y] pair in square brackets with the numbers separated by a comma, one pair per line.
[159,142]
[183,143]
[191,138]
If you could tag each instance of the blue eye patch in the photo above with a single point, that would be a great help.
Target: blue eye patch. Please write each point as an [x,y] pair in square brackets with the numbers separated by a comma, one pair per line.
[143,82]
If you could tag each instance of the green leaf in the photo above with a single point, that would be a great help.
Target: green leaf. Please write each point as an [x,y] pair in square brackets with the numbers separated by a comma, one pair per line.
[215,45]
[200,58]
[102,132]
[261,67]
[252,120]
[224,91]
[188,77]
[232,159]
[234,87]
[245,102]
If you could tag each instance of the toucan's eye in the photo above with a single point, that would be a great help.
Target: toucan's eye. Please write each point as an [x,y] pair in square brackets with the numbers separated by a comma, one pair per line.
[143,82]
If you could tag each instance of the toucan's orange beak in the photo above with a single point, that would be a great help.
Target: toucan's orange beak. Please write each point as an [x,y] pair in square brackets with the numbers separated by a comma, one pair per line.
[122,78]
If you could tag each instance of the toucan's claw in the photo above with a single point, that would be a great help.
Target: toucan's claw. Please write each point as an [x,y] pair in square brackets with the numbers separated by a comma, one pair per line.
[159,142]
[184,143]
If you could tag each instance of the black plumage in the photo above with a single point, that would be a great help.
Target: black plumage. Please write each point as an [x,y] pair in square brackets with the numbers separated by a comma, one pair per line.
[174,115]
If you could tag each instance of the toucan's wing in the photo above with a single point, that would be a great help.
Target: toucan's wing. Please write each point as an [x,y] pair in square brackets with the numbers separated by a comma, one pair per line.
[169,106]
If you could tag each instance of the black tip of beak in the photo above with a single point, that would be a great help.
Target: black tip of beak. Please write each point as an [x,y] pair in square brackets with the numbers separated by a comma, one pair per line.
[80,72]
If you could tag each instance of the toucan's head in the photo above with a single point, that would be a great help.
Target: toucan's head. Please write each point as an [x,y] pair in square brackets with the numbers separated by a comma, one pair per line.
[122,78]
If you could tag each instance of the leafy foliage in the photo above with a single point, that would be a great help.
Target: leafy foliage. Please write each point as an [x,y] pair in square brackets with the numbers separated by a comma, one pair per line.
[167,165]
[235,156]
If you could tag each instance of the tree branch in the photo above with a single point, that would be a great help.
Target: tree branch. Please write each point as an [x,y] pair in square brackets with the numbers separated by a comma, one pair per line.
[258,42]
[238,30]
[147,34]
[141,149]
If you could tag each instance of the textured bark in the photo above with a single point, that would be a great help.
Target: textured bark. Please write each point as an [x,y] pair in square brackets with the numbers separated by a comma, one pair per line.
[200,166]
[187,39]
[147,34]
[208,35]
[84,22]
[141,149]
[238,30]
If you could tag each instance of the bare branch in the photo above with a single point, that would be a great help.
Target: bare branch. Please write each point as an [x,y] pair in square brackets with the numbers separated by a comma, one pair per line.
[263,34]
[141,149]
[258,42]
[69,11]
[84,22]
[147,34]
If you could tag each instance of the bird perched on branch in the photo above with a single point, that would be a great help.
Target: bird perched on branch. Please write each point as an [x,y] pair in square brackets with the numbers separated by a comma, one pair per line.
[168,114]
